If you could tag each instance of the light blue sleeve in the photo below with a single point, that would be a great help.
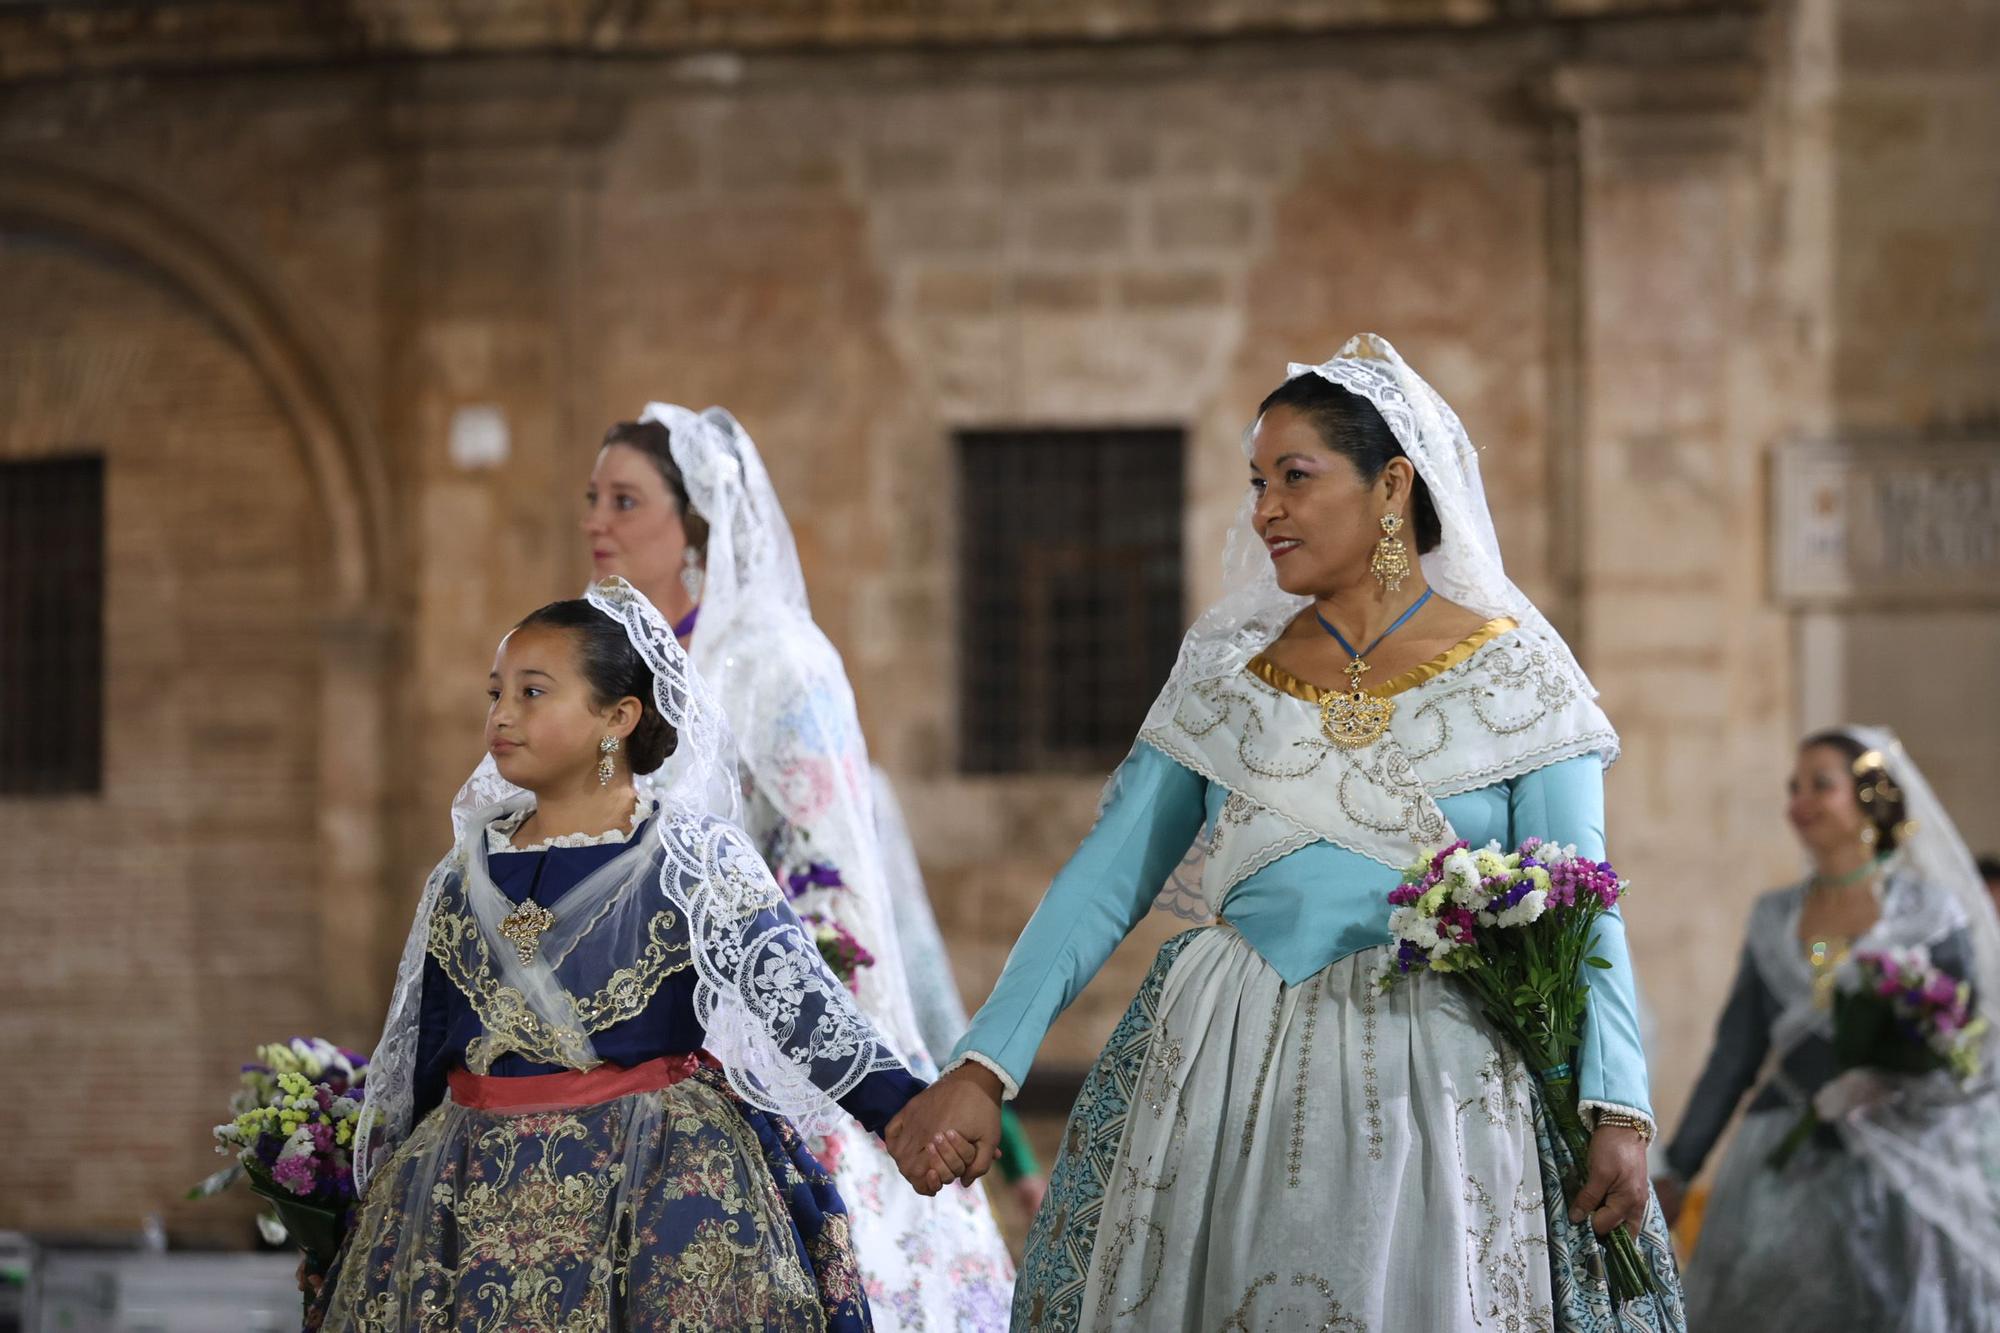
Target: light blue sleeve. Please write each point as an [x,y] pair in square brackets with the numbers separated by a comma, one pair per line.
[1565,803]
[1154,813]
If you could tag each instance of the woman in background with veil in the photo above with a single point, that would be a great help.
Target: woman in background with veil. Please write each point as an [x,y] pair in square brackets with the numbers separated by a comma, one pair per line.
[607,1032]
[681,505]
[1268,1139]
[1888,1219]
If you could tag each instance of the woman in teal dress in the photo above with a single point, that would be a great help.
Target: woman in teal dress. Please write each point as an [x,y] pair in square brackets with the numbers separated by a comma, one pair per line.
[1269,1140]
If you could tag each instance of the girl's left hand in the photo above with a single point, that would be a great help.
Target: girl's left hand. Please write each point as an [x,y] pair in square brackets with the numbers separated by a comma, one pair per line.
[1615,1190]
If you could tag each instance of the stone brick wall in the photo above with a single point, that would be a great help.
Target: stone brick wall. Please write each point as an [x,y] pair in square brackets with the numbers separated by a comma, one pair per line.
[155,932]
[1636,250]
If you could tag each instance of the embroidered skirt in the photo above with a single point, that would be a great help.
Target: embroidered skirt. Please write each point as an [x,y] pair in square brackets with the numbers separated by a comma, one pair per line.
[1829,1242]
[676,1207]
[1247,1155]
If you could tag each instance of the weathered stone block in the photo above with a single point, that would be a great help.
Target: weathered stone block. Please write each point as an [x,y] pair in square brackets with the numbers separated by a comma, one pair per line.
[1084,226]
[1172,289]
[1203,221]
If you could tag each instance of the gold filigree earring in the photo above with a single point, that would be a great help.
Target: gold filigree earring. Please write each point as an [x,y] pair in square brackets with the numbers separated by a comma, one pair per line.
[606,769]
[1391,562]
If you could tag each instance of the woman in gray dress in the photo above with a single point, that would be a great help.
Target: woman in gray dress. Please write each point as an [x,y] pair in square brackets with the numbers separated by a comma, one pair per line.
[1888,1218]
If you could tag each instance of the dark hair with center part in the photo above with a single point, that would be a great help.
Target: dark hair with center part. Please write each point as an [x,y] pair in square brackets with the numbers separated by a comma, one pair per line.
[1349,425]
[1880,799]
[614,670]
[655,441]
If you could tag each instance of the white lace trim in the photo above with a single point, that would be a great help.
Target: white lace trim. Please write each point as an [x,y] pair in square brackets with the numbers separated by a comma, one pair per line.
[500,833]
[1009,1089]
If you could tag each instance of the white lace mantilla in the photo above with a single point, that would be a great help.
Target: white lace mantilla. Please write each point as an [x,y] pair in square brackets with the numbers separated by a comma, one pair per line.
[1515,705]
[500,833]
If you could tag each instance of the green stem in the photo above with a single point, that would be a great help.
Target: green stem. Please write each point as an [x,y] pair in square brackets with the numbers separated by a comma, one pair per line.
[1793,1141]
[1629,1276]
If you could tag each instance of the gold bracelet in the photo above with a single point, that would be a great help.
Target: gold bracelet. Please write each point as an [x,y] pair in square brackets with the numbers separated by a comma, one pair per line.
[1625,1120]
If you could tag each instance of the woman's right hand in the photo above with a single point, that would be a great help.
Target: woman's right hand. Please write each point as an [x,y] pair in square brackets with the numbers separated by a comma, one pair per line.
[310,1279]
[1672,1194]
[965,1102]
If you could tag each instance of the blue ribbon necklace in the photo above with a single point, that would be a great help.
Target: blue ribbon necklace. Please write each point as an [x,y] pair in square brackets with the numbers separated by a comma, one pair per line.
[1357,718]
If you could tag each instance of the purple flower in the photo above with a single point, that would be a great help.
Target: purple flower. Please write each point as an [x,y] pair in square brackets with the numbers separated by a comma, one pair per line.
[816,875]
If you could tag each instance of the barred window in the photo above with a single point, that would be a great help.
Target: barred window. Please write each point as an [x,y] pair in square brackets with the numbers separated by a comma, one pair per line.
[51,626]
[1070,568]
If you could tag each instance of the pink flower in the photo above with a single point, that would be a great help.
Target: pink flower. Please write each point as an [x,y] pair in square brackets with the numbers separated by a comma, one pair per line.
[294,1173]
[1437,861]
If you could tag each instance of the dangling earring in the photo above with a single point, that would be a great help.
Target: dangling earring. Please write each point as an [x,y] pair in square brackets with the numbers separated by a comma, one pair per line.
[1391,562]
[606,769]
[1870,835]
[691,573]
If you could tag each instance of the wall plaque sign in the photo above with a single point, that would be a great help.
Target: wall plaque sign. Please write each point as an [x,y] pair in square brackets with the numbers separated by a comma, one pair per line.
[1886,524]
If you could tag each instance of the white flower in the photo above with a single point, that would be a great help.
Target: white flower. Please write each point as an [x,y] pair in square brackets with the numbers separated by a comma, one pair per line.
[1459,867]
[1407,923]
[1521,913]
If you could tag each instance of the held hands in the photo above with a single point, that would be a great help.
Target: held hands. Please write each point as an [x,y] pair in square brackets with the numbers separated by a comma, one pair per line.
[1614,1190]
[950,1131]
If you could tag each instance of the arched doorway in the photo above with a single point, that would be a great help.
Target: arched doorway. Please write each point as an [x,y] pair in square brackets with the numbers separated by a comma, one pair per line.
[223,887]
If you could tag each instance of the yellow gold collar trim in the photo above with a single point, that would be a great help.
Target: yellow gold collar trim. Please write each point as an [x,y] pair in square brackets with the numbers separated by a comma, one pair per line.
[1285,682]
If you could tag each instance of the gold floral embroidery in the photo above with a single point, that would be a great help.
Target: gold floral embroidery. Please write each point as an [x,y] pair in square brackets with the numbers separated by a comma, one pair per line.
[1371,1090]
[1504,1267]
[1263,1074]
[582,1220]
[1332,1318]
[461,949]
[1295,1156]
[1161,1065]
[1236,811]
[1152,1238]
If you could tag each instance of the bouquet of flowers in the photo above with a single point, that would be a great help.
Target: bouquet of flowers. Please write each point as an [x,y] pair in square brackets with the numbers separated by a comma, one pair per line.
[292,1133]
[800,872]
[844,955]
[1516,928]
[1894,1012]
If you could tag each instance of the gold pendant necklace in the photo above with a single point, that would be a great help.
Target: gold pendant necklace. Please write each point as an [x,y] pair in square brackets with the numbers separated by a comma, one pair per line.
[1356,719]
[525,926]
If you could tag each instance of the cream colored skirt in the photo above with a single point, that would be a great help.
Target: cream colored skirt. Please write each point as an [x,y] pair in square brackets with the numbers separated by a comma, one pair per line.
[1318,1156]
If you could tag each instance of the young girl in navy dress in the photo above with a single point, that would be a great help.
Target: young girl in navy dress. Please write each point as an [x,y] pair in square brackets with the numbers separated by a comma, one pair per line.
[607,1029]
